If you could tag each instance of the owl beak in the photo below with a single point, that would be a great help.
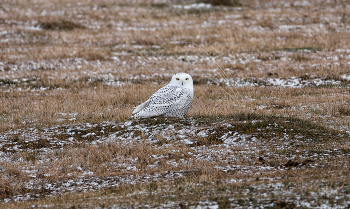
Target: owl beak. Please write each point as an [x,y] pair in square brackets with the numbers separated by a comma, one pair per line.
[182,83]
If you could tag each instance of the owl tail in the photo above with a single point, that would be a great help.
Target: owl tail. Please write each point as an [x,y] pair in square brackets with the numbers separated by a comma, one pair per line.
[140,107]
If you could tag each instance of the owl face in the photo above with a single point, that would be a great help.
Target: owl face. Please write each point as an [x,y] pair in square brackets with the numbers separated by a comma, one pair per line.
[182,80]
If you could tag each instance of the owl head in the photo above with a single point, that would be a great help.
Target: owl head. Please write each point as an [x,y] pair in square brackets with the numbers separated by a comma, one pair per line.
[182,80]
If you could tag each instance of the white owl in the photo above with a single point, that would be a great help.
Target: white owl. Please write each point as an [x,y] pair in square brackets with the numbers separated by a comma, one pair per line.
[173,100]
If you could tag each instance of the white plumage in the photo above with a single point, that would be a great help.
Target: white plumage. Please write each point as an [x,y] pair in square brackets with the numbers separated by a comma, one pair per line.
[173,100]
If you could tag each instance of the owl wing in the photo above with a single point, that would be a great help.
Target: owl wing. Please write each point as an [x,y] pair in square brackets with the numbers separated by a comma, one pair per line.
[160,102]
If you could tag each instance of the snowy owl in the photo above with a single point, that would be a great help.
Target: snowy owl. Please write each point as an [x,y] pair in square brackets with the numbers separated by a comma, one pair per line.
[173,100]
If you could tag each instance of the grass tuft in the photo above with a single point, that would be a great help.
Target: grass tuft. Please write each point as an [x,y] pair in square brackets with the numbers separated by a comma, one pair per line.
[64,25]
[230,3]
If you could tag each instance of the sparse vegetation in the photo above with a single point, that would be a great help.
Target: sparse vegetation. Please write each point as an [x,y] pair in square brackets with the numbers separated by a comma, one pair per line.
[268,125]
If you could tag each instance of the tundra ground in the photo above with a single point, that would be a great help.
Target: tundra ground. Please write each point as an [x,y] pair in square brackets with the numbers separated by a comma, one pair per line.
[269,124]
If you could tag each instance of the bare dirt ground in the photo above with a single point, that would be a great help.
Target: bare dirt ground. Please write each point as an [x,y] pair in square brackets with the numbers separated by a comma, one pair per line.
[269,124]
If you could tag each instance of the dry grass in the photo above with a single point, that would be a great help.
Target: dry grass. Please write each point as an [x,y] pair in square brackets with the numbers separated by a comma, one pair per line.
[268,126]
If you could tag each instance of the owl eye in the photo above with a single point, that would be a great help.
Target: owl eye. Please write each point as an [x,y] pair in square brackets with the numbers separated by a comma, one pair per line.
[177,79]
[186,79]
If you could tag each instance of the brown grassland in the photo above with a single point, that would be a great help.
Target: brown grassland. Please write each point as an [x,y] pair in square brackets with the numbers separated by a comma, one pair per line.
[269,124]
